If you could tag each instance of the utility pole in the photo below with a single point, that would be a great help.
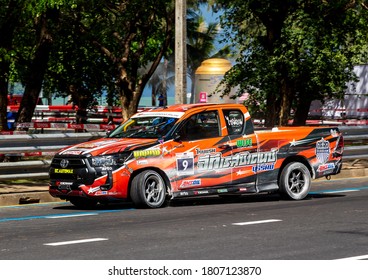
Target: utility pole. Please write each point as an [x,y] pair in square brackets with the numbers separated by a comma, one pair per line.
[180,51]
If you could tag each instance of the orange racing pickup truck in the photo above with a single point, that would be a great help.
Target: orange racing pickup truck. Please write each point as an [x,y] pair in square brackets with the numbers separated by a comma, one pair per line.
[194,150]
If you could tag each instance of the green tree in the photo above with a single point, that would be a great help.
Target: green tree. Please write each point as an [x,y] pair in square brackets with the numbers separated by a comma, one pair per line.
[291,52]
[9,20]
[25,45]
[34,62]
[76,68]
[116,39]
[130,34]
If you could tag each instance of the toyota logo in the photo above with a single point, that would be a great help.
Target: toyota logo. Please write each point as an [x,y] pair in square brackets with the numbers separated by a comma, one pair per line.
[64,163]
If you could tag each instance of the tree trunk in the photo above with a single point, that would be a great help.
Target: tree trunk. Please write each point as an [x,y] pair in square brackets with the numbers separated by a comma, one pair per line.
[271,110]
[36,74]
[129,97]
[129,105]
[6,40]
[302,111]
[286,100]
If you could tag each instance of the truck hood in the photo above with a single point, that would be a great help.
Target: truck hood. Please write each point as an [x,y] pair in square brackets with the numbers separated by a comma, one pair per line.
[106,146]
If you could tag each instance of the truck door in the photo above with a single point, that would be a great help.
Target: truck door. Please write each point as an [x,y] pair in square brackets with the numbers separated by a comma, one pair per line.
[200,148]
[244,145]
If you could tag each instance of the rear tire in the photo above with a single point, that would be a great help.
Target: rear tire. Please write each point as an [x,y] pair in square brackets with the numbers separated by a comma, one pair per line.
[295,181]
[148,190]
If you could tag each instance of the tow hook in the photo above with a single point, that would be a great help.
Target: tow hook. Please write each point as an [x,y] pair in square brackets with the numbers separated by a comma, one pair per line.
[328,177]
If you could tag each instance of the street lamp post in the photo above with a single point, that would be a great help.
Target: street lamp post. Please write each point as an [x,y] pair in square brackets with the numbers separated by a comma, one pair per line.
[180,51]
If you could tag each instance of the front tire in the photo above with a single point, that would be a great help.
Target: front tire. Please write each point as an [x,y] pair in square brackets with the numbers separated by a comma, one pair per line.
[148,190]
[295,181]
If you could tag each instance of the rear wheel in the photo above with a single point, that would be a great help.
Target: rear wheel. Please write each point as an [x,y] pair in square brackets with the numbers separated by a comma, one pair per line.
[83,203]
[295,181]
[148,190]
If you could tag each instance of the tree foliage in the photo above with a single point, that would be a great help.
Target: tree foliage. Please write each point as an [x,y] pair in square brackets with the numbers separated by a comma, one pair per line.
[81,47]
[131,35]
[293,51]
[25,46]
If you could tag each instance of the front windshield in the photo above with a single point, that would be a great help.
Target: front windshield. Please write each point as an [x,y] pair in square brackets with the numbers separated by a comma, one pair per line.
[142,126]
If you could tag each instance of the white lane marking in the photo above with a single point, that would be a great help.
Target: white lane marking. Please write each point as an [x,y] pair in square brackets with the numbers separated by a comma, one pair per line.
[71,216]
[75,241]
[256,222]
[342,191]
[363,257]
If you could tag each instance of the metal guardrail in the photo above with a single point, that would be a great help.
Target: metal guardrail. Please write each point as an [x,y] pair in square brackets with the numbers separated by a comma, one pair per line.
[24,145]
[48,144]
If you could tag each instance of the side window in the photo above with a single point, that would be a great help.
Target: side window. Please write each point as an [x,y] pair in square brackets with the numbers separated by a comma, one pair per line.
[201,126]
[234,121]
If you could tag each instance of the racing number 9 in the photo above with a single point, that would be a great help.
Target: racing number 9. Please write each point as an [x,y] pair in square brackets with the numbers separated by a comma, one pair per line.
[185,165]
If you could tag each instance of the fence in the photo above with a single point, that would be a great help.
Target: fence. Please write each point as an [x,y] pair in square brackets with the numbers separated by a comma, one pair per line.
[54,117]
[36,145]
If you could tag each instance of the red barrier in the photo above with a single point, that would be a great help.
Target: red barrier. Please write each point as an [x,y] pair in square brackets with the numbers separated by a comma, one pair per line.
[47,125]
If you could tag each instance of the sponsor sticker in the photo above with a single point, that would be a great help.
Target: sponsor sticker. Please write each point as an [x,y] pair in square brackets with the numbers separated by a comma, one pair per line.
[96,144]
[200,192]
[63,171]
[159,114]
[72,152]
[205,151]
[326,167]
[244,143]
[222,190]
[93,190]
[263,167]
[190,183]
[147,153]
[322,150]
[185,163]
[65,183]
[217,161]
[183,193]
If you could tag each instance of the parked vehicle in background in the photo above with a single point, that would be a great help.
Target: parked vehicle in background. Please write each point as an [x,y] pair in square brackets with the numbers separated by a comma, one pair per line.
[194,150]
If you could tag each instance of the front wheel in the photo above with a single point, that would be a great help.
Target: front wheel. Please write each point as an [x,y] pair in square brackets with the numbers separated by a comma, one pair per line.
[148,190]
[295,181]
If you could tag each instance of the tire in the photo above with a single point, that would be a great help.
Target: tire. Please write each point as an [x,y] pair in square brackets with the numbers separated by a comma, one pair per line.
[148,190]
[295,181]
[83,203]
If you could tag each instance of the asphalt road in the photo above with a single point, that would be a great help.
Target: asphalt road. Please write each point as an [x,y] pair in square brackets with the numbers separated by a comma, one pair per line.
[330,224]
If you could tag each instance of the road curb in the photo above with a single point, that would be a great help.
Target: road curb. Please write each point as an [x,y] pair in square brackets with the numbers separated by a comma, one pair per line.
[351,173]
[26,198]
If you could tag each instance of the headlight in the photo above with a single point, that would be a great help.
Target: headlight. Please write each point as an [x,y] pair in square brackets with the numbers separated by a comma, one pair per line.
[103,161]
[109,160]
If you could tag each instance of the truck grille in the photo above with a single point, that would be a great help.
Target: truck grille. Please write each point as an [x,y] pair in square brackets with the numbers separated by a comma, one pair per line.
[73,163]
[72,169]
